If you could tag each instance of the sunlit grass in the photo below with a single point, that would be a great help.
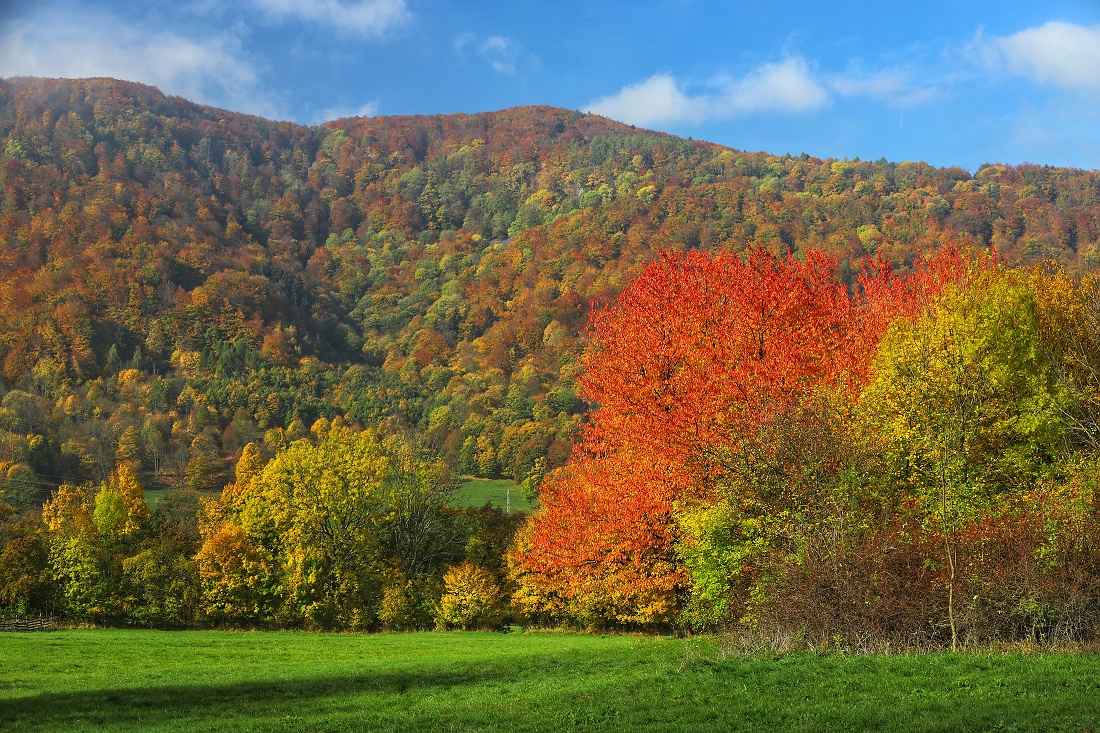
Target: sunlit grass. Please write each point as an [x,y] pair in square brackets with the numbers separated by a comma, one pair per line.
[152,496]
[471,492]
[120,680]
[497,492]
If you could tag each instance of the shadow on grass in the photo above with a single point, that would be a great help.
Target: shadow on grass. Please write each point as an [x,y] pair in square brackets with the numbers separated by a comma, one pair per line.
[149,705]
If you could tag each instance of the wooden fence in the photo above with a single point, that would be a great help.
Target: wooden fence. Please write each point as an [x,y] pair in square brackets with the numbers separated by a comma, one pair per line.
[27,623]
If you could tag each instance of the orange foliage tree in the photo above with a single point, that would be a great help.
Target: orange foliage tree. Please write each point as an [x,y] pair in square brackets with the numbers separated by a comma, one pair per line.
[722,386]
[694,369]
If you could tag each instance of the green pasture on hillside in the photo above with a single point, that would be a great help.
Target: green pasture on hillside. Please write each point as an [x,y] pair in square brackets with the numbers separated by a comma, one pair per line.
[478,491]
[152,496]
[471,492]
[128,680]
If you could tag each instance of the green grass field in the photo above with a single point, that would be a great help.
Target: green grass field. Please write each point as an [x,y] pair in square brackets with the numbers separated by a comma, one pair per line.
[471,492]
[152,496]
[123,680]
[477,491]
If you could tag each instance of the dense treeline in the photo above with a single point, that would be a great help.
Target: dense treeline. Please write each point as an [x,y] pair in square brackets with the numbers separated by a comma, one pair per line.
[910,462]
[178,282]
[913,461]
[344,530]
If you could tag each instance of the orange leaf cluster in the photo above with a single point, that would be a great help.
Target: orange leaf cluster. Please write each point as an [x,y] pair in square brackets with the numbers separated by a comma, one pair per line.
[697,360]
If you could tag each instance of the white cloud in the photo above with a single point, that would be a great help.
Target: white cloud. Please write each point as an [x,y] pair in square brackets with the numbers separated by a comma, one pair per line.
[504,55]
[210,70]
[370,109]
[1058,53]
[500,53]
[657,99]
[369,18]
[882,84]
[891,86]
[1056,128]
[784,87]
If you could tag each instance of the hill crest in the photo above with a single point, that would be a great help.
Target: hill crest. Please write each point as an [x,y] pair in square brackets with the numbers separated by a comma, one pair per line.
[177,280]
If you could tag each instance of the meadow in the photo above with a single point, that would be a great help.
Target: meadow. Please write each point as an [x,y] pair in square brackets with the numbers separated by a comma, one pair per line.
[128,680]
[474,492]
[499,493]
[470,492]
[152,496]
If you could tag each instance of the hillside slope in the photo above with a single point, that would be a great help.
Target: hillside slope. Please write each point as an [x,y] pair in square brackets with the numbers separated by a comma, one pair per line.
[178,280]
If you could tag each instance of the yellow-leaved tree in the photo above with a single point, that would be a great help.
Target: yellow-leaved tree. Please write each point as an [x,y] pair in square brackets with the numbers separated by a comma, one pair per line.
[311,538]
[90,538]
[964,410]
[473,599]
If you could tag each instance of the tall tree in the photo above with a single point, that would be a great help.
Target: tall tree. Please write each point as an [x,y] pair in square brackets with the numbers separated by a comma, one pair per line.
[965,407]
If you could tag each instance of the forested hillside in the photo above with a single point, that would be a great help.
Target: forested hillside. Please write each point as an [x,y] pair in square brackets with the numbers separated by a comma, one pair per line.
[327,324]
[177,281]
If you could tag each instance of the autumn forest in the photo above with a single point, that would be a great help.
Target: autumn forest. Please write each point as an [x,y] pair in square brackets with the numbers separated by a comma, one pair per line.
[833,398]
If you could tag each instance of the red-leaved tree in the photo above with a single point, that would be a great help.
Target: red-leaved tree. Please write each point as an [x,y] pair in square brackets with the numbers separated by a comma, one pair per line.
[717,378]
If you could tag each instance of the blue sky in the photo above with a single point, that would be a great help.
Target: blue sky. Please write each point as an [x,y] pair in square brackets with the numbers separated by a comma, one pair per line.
[953,83]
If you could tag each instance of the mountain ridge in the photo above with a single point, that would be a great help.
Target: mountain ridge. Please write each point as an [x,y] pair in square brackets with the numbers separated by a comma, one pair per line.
[179,280]
[109,83]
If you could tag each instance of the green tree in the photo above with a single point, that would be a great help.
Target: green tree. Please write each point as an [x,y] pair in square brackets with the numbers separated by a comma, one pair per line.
[76,556]
[323,525]
[19,487]
[204,467]
[965,408]
[26,581]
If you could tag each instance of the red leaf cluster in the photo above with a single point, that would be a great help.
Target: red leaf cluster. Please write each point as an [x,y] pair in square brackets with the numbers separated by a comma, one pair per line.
[700,356]
[700,349]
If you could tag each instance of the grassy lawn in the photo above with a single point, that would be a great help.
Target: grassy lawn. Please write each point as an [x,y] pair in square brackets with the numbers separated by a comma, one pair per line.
[477,491]
[471,492]
[92,680]
[152,496]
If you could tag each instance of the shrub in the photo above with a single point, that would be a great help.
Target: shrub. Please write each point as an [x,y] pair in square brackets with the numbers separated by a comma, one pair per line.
[472,599]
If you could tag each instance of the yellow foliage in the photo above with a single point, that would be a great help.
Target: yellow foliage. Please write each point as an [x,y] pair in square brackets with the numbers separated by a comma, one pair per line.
[313,531]
[125,483]
[472,601]
[235,575]
[69,510]
[251,463]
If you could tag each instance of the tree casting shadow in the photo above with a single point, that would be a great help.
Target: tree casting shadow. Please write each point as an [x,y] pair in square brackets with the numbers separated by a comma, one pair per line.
[122,706]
